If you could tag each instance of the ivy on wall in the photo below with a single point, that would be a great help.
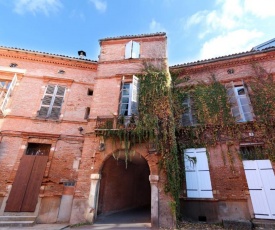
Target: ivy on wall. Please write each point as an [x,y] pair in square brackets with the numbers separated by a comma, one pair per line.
[217,125]
[160,120]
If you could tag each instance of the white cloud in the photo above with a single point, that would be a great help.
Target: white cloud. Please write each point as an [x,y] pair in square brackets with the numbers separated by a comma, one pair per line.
[231,26]
[156,26]
[261,9]
[35,6]
[99,5]
[196,19]
[229,43]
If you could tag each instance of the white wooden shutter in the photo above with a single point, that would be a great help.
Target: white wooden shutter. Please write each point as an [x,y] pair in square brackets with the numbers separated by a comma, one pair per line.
[128,49]
[134,95]
[233,101]
[192,184]
[135,50]
[261,183]
[198,180]
[8,94]
[205,187]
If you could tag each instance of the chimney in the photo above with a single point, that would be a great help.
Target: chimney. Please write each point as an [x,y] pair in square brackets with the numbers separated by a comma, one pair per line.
[81,53]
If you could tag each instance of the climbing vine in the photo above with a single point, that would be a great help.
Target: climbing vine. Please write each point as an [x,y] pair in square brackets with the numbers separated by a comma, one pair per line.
[216,124]
[159,120]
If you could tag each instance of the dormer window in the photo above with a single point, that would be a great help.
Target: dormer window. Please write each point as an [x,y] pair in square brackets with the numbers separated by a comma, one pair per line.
[132,50]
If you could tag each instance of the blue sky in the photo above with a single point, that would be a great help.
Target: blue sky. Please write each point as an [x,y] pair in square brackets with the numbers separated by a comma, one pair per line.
[196,29]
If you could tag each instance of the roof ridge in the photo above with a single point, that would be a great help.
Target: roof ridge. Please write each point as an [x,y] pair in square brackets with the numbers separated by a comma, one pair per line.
[45,53]
[133,36]
[220,58]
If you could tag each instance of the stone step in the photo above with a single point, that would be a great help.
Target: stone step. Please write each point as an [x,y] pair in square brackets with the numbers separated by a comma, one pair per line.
[16,223]
[263,224]
[17,218]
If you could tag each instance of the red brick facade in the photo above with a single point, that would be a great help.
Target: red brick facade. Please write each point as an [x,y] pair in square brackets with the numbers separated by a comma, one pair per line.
[75,182]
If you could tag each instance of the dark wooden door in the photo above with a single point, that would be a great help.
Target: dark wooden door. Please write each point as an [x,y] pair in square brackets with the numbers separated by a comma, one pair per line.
[26,186]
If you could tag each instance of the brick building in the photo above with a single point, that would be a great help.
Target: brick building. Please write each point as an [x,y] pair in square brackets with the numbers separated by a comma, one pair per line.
[56,167]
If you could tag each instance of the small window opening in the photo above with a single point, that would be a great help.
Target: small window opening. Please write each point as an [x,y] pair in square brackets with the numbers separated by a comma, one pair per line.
[241,91]
[90,92]
[202,218]
[87,113]
[253,152]
[69,183]
[36,149]
[12,65]
[230,71]
[61,71]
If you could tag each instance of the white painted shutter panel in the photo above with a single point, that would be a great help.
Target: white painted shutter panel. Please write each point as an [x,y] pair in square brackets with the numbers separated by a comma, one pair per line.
[257,194]
[268,180]
[233,101]
[57,102]
[192,184]
[135,50]
[198,175]
[134,95]
[128,50]
[205,187]
[8,94]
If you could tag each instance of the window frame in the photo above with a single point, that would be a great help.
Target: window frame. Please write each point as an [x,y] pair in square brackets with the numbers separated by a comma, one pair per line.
[132,50]
[51,105]
[188,117]
[132,96]
[7,91]
[236,103]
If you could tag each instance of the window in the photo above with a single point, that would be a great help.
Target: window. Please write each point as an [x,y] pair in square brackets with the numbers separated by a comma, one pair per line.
[87,113]
[90,92]
[198,181]
[52,102]
[36,149]
[129,98]
[252,152]
[6,88]
[240,103]
[132,50]
[188,117]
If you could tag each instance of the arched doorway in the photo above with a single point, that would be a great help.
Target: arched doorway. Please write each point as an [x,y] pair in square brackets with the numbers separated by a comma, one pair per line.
[125,186]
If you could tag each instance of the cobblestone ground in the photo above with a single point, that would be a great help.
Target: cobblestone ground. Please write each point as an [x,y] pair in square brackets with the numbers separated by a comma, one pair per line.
[192,225]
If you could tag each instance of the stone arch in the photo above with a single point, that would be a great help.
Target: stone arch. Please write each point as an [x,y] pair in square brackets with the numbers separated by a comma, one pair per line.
[151,161]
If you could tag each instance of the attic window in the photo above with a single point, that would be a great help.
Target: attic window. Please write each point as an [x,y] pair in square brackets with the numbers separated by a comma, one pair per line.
[12,65]
[132,50]
[61,71]
[69,183]
[90,92]
[230,71]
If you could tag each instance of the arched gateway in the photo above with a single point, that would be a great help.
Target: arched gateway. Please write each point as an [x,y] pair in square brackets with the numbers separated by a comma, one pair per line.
[123,185]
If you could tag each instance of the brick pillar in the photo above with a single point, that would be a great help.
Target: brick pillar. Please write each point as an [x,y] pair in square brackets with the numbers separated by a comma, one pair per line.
[154,201]
[93,197]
